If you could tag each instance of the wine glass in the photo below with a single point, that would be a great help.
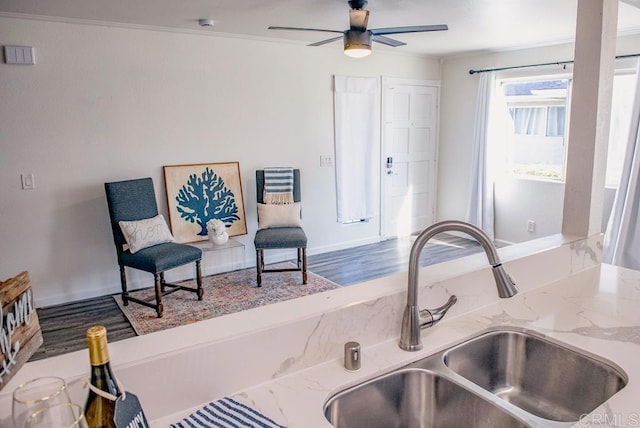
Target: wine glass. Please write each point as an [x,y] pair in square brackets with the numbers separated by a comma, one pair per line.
[35,395]
[61,415]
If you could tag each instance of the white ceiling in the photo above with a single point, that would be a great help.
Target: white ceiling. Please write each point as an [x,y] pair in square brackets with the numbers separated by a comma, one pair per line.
[474,25]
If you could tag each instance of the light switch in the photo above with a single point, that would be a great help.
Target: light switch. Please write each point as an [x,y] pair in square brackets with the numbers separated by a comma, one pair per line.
[27,181]
[19,55]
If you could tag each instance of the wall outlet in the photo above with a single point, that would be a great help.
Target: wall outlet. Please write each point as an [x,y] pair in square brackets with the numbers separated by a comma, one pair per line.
[531,226]
[326,161]
[28,182]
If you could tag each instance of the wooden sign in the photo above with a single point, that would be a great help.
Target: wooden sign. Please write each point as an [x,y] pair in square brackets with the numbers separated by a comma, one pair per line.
[20,334]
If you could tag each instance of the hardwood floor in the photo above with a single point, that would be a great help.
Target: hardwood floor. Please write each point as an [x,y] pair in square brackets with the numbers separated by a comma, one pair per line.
[358,264]
[64,326]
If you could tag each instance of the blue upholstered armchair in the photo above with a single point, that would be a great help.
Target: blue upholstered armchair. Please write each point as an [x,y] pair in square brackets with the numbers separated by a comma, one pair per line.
[132,202]
[281,237]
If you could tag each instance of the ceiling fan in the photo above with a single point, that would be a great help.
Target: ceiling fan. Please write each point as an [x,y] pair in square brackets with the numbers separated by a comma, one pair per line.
[357,39]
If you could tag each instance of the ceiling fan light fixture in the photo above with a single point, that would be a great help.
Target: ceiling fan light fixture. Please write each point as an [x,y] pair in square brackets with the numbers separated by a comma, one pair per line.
[357,44]
[356,52]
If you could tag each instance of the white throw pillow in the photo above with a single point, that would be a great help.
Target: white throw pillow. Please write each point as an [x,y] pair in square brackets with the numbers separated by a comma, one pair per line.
[145,233]
[279,215]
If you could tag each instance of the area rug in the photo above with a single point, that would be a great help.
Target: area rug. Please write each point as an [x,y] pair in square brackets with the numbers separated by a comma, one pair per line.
[224,293]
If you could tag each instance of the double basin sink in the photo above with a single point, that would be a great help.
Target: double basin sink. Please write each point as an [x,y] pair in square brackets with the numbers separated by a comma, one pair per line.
[500,378]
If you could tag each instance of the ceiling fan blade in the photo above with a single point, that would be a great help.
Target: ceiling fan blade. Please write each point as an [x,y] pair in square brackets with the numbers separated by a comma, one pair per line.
[387,41]
[358,19]
[413,29]
[304,29]
[324,42]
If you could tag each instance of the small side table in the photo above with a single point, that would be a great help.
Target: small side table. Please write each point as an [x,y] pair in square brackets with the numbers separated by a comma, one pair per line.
[221,258]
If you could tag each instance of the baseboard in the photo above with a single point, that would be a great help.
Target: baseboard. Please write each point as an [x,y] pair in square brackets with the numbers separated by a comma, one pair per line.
[344,245]
[135,280]
[273,256]
[62,299]
[499,242]
[139,279]
[502,243]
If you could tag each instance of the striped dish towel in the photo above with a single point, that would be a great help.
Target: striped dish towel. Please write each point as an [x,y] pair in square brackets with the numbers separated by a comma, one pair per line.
[278,185]
[226,413]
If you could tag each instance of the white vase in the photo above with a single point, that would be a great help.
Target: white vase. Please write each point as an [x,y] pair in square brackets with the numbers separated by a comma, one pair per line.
[219,239]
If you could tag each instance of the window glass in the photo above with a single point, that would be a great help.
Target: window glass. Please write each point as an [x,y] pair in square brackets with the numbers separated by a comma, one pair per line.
[556,117]
[529,120]
[538,111]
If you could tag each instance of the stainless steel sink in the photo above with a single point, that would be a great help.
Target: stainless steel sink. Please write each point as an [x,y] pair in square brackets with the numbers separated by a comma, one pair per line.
[501,378]
[542,377]
[414,398]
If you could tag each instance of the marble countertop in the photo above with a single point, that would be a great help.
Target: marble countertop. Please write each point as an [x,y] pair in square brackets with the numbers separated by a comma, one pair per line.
[595,310]
[285,359]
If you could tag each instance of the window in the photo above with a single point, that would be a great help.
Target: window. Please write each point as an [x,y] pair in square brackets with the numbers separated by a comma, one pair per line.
[538,111]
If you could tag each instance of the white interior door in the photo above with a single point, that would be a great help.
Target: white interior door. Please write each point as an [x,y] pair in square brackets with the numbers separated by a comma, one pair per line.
[410,135]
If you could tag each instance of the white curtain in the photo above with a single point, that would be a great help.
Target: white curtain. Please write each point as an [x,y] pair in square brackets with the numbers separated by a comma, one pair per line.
[622,237]
[547,121]
[529,120]
[556,118]
[357,143]
[481,206]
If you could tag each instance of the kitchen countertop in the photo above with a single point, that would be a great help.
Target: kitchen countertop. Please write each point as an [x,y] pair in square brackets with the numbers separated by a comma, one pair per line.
[285,359]
[595,310]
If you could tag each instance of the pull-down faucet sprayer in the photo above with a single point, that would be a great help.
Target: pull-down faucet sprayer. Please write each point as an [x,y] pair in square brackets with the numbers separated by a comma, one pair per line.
[414,319]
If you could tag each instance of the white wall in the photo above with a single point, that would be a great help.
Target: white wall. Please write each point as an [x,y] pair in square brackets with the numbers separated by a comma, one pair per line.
[516,200]
[108,103]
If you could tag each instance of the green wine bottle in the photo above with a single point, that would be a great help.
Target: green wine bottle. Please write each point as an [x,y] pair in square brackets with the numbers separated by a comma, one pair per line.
[99,411]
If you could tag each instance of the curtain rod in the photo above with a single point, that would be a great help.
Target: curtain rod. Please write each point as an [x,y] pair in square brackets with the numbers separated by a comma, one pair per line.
[485,70]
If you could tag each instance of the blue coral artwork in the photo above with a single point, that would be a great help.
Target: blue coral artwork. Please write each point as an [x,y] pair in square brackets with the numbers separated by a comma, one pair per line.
[199,193]
[205,197]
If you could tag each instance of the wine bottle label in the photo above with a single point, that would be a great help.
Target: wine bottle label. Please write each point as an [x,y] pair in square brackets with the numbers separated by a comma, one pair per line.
[128,412]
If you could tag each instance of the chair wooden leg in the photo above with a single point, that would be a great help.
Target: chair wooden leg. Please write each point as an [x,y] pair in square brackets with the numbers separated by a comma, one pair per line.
[123,282]
[259,266]
[162,282]
[303,252]
[200,291]
[158,285]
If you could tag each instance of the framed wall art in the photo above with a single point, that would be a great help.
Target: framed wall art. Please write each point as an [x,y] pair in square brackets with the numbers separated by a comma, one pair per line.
[198,193]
